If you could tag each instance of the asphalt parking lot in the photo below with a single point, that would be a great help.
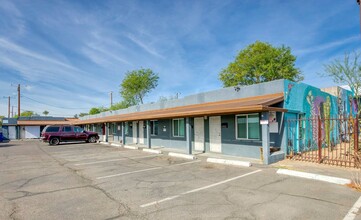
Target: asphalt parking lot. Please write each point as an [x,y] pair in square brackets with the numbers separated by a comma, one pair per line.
[93,181]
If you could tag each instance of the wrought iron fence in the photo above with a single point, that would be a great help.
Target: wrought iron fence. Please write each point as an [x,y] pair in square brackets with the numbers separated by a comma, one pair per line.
[333,141]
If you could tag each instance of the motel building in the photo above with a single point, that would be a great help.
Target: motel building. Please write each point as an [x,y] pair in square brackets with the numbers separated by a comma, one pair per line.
[247,121]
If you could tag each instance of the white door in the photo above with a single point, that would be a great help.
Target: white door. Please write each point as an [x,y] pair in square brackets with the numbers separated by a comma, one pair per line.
[12,132]
[135,132]
[32,131]
[199,134]
[215,134]
[141,132]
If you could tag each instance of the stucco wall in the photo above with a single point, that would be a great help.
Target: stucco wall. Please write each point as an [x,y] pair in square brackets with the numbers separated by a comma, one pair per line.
[248,148]
[313,103]
[165,136]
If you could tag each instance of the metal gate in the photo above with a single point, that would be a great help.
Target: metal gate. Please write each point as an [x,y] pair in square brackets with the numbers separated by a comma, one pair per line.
[333,141]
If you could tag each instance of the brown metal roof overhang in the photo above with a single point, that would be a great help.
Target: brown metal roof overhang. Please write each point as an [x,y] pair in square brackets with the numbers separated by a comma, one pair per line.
[44,123]
[234,106]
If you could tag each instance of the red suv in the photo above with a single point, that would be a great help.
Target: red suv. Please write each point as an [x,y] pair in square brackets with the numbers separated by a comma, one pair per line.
[54,134]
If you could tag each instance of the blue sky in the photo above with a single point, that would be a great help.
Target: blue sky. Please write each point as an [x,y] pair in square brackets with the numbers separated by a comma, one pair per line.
[71,54]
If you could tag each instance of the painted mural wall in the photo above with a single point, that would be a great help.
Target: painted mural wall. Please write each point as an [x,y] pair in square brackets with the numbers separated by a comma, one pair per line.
[306,104]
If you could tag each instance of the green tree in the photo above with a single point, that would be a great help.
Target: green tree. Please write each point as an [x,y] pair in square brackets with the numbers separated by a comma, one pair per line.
[94,111]
[120,105]
[260,62]
[347,71]
[82,114]
[103,109]
[27,114]
[45,112]
[137,84]
[1,121]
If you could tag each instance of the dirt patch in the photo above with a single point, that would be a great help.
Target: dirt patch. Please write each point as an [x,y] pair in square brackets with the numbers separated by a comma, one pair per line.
[210,166]
[354,186]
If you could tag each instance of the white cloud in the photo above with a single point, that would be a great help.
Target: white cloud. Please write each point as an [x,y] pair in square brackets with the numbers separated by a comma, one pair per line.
[145,46]
[326,46]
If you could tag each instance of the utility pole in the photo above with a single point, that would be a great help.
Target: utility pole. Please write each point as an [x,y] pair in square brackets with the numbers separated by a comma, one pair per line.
[18,100]
[111,98]
[9,107]
[12,111]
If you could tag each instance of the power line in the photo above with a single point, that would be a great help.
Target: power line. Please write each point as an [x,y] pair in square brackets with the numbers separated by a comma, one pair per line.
[26,110]
[50,104]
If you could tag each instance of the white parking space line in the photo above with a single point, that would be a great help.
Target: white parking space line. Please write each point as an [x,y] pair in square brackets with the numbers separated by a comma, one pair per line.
[138,171]
[79,156]
[353,211]
[199,189]
[314,176]
[89,153]
[68,146]
[119,159]
[126,173]
[87,150]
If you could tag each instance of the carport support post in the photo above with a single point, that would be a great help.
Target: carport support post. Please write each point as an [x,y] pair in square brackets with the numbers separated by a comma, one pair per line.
[149,144]
[123,133]
[265,138]
[106,131]
[188,135]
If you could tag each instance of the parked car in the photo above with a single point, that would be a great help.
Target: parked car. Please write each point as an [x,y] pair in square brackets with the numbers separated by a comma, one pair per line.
[54,134]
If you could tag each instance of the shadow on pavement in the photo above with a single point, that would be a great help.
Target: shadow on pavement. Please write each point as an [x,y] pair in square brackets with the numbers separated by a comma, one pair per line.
[68,143]
[5,144]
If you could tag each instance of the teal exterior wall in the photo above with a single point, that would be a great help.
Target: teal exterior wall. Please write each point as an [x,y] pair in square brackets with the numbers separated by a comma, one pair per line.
[232,146]
[307,102]
[313,102]
[248,148]
[165,136]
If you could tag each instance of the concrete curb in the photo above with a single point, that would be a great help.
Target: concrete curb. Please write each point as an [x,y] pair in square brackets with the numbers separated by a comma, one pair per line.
[184,156]
[115,145]
[313,176]
[229,162]
[152,151]
[105,143]
[131,147]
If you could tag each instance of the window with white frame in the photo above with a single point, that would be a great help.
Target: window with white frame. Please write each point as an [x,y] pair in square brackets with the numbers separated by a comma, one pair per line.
[247,126]
[178,127]
[153,127]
